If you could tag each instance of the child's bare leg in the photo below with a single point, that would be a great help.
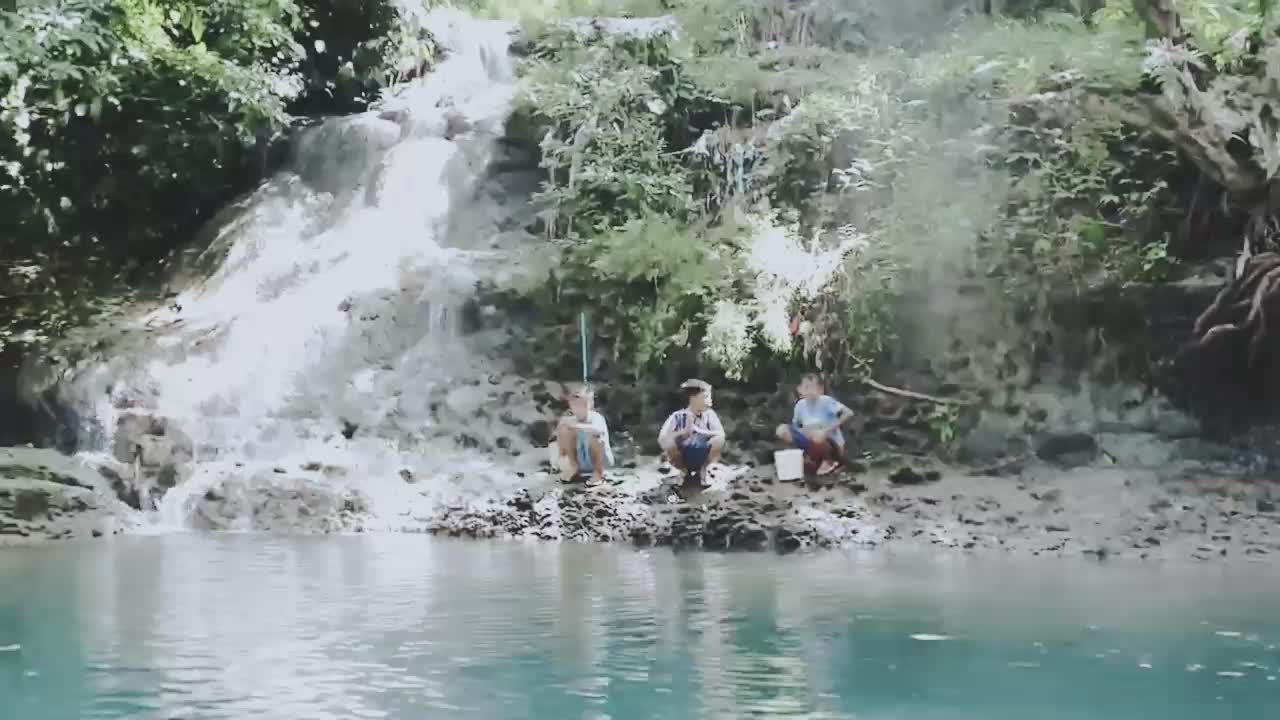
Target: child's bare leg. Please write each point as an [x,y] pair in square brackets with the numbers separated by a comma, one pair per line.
[595,446]
[567,441]
[673,456]
[717,446]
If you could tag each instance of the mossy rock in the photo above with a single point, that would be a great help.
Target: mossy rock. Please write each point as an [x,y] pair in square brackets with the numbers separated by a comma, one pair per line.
[30,504]
[39,472]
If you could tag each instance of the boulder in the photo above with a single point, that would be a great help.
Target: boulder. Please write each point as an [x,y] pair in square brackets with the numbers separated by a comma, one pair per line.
[158,452]
[1067,449]
[45,495]
[267,501]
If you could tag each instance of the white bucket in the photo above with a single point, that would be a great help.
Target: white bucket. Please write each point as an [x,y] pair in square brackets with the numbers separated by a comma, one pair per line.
[790,464]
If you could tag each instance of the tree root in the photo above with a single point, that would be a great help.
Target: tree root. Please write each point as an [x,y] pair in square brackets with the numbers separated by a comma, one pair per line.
[1242,308]
[912,394]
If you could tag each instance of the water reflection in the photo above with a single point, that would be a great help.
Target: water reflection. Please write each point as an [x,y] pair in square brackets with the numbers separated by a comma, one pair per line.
[199,627]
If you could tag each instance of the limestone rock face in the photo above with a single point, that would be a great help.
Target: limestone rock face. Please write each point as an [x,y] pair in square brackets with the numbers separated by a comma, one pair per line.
[48,496]
[160,453]
[278,502]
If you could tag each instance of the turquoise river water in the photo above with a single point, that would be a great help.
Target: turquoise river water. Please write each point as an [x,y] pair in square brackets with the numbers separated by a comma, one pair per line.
[197,627]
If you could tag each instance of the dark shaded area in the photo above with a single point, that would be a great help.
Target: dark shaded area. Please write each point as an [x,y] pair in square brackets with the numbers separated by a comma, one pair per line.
[1129,332]
[1228,368]
[17,421]
[358,32]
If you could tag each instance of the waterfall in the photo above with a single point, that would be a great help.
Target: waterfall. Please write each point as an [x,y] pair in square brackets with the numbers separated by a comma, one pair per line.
[318,358]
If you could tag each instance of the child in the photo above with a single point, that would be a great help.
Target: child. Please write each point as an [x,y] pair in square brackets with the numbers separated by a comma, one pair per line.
[815,426]
[583,439]
[693,438]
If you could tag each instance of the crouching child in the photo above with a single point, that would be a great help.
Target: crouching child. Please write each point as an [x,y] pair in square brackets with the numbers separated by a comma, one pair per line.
[693,438]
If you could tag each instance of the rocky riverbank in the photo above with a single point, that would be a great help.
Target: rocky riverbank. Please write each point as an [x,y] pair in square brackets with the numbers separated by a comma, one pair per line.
[48,496]
[1102,471]
[1192,511]
[1173,509]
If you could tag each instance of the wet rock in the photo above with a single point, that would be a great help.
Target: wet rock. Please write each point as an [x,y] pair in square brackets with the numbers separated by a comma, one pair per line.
[456,124]
[1051,495]
[123,489]
[906,476]
[1006,468]
[641,537]
[45,495]
[129,431]
[748,535]
[29,504]
[538,432]
[349,429]
[268,502]
[167,477]
[522,501]
[787,540]
[159,452]
[1067,449]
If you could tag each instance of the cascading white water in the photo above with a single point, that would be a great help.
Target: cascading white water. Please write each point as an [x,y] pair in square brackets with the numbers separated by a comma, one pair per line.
[333,302]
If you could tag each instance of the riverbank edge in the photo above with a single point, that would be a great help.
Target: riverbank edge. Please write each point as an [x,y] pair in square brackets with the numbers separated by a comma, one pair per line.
[1164,513]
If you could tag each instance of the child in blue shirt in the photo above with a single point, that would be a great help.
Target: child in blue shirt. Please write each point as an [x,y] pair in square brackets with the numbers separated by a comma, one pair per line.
[815,426]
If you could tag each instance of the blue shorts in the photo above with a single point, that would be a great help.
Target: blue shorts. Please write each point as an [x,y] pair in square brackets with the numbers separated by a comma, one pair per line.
[802,441]
[584,454]
[694,451]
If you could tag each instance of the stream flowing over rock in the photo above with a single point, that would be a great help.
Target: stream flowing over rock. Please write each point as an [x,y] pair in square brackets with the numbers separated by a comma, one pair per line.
[320,353]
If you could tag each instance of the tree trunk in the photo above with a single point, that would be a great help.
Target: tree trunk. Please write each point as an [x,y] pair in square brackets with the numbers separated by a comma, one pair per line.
[1224,123]
[1161,19]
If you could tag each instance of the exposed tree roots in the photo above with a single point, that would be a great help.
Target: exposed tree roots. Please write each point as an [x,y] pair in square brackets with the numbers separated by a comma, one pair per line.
[1231,367]
[1245,308]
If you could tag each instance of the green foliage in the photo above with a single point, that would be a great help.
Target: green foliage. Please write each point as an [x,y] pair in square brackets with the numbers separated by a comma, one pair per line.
[767,182]
[125,123]
[944,424]
[1082,195]
[633,192]
[900,164]
[647,283]
[801,144]
[607,144]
